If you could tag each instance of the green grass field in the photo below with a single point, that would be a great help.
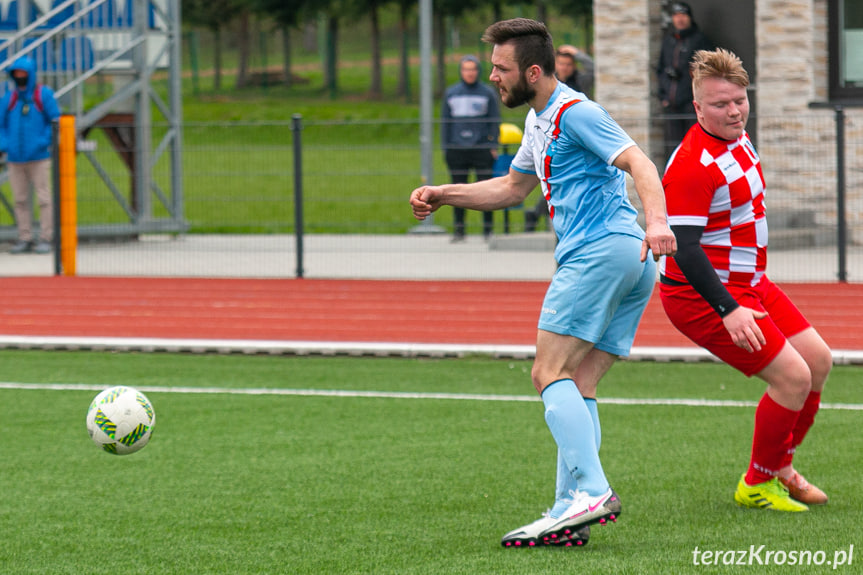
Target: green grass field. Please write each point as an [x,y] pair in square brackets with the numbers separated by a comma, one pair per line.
[265,483]
[240,178]
[360,162]
[361,157]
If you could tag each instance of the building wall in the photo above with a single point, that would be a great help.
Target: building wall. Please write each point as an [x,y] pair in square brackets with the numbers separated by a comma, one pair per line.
[797,142]
[623,33]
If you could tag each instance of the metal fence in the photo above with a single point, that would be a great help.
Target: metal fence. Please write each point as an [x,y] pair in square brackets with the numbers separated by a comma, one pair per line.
[239,206]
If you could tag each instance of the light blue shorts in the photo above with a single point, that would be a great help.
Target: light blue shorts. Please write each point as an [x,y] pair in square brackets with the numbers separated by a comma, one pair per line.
[599,294]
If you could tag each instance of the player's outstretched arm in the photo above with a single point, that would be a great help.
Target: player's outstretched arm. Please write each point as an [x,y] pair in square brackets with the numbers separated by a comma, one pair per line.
[659,238]
[485,195]
[426,200]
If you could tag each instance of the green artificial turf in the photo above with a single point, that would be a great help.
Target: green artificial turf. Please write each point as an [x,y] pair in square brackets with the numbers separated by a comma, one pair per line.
[265,483]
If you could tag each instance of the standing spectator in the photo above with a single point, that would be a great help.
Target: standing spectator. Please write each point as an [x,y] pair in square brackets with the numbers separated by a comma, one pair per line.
[675,84]
[716,292]
[26,114]
[574,68]
[470,122]
[566,68]
[579,156]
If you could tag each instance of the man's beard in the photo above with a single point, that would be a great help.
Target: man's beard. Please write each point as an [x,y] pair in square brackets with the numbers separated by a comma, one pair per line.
[521,93]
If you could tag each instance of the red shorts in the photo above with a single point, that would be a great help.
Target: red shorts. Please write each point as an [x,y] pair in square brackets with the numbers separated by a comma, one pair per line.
[692,315]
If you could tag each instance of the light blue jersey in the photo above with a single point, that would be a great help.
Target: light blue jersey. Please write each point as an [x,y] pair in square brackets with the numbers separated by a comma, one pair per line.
[571,146]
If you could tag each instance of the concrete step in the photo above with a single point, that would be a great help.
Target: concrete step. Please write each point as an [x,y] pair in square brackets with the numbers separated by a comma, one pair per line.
[796,238]
[532,241]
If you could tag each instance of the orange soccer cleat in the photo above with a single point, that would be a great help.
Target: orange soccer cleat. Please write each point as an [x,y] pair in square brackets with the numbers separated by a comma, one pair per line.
[803,491]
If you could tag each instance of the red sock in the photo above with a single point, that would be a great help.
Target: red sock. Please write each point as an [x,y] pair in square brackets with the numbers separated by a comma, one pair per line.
[804,422]
[771,440]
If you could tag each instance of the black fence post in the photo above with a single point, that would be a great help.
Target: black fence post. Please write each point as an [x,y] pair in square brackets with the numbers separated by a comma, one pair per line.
[296,129]
[841,223]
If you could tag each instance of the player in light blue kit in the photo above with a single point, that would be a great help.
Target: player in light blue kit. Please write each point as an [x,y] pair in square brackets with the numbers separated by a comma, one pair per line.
[578,154]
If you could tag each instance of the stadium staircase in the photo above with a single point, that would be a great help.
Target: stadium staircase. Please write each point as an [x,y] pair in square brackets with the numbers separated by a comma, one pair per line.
[99,57]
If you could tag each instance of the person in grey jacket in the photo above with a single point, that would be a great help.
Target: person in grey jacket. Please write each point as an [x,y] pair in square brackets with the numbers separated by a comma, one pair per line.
[470,124]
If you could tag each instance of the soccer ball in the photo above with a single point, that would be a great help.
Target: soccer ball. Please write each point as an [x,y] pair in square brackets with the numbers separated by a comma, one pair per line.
[120,420]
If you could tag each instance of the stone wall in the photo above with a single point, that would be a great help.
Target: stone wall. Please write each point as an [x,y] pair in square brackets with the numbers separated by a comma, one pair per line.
[622,40]
[797,143]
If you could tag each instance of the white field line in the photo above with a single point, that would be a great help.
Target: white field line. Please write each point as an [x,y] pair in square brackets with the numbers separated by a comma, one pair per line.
[401,395]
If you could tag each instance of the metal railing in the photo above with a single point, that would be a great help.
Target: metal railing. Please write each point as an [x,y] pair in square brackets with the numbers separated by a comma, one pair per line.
[120,45]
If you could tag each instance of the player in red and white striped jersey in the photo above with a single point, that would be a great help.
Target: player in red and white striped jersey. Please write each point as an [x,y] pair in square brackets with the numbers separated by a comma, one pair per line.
[715,290]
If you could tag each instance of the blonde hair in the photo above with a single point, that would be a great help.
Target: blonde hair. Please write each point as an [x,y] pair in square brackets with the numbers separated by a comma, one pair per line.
[719,63]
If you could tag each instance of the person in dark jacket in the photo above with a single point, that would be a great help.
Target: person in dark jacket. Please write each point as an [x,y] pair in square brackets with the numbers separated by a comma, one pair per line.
[470,124]
[574,68]
[27,111]
[684,38]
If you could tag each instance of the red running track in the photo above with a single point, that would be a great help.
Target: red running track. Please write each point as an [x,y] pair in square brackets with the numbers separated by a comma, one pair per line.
[462,312]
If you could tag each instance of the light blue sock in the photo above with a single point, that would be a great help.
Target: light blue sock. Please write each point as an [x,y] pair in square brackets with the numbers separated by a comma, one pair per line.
[572,427]
[594,415]
[565,481]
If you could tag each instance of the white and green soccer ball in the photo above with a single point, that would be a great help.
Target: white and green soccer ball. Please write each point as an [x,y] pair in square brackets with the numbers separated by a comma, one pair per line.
[120,420]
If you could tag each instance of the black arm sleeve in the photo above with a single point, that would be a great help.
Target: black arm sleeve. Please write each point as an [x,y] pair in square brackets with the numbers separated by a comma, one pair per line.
[698,270]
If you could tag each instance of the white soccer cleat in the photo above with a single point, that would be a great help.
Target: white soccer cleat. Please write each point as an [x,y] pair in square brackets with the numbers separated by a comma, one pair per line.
[529,535]
[584,510]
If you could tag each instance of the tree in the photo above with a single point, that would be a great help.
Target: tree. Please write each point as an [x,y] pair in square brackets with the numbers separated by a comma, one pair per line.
[331,10]
[287,14]
[447,10]
[405,7]
[244,40]
[573,8]
[376,89]
[541,10]
[213,15]
[371,8]
[331,52]
[580,11]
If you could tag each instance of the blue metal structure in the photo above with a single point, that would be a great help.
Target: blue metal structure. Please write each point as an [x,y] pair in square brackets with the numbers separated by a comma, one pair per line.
[122,43]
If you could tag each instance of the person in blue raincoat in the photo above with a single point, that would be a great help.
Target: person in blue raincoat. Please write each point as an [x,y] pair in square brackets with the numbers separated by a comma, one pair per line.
[27,111]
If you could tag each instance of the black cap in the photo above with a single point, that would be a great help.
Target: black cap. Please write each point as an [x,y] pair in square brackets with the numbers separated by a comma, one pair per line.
[681,8]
